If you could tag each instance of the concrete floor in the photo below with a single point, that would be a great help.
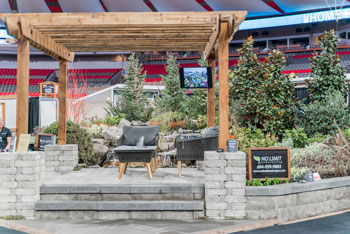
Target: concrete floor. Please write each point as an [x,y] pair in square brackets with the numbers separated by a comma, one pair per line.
[133,226]
[133,176]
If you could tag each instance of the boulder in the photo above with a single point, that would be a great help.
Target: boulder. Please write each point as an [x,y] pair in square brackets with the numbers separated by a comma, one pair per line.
[138,123]
[115,129]
[115,141]
[112,135]
[99,152]
[98,141]
[169,138]
[123,122]
[171,145]
[163,146]
[107,134]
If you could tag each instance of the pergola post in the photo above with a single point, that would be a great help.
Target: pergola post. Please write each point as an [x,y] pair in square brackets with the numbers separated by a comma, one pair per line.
[211,93]
[62,81]
[223,55]
[23,60]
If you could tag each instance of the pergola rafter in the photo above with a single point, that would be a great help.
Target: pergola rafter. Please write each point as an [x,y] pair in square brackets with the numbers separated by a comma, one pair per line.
[61,34]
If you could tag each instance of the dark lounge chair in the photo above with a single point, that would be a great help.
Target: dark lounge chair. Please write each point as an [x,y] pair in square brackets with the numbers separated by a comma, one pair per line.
[193,149]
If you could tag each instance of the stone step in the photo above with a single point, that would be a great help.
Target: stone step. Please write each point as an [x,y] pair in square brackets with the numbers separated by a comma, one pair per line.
[121,197]
[120,205]
[124,215]
[121,192]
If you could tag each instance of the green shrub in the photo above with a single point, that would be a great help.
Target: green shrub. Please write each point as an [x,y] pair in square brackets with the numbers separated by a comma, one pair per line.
[298,137]
[286,142]
[267,182]
[320,158]
[317,138]
[75,135]
[319,116]
[113,120]
[96,130]
[167,121]
[248,137]
[298,174]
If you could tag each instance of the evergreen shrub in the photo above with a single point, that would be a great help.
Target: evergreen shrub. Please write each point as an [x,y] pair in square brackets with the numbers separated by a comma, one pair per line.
[75,135]
[319,117]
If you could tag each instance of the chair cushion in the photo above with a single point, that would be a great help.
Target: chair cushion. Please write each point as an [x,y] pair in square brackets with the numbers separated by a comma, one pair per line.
[211,132]
[131,134]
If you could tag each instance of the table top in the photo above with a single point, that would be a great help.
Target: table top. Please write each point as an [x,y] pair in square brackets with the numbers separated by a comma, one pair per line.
[134,148]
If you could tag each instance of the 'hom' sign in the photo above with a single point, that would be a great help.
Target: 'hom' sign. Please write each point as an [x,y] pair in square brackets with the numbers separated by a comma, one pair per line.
[272,162]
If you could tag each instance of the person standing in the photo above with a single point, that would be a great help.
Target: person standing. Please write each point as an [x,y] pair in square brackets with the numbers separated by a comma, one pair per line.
[5,137]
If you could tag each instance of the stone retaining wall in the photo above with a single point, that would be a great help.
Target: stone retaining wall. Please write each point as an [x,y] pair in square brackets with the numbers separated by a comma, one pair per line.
[225,175]
[296,201]
[20,180]
[61,158]
[21,176]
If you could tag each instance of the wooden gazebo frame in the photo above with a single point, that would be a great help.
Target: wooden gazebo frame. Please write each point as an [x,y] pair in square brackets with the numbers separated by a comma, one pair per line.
[61,34]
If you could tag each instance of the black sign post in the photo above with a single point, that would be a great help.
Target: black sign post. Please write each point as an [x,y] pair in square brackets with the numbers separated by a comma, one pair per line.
[272,162]
[45,139]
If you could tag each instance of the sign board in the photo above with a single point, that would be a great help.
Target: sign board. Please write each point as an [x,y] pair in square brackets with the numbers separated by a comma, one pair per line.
[271,162]
[23,143]
[45,139]
[48,89]
[13,144]
[305,18]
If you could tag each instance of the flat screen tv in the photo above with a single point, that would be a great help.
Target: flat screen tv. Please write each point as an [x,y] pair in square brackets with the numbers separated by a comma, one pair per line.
[196,77]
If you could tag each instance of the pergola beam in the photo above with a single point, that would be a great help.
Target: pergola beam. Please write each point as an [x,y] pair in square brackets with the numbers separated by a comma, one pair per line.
[212,40]
[124,18]
[37,39]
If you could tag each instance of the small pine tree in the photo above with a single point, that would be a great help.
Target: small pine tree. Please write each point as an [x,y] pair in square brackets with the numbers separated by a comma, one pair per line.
[264,94]
[173,97]
[134,103]
[328,74]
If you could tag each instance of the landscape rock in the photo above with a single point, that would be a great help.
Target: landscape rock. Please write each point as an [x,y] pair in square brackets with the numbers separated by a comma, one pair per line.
[98,141]
[115,141]
[171,145]
[169,138]
[107,134]
[99,152]
[123,122]
[115,129]
[163,146]
[138,123]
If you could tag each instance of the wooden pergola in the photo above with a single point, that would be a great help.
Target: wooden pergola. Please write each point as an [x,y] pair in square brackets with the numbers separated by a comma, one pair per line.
[61,34]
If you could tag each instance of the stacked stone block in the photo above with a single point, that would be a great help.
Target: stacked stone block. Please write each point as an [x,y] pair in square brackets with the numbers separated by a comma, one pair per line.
[225,175]
[297,201]
[20,183]
[61,158]
[8,184]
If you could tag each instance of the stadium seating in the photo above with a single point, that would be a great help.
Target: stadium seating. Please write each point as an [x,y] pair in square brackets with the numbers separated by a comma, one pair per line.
[8,80]
[94,77]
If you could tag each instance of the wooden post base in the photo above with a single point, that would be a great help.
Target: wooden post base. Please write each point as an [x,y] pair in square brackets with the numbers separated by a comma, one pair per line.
[149,172]
[179,165]
[121,170]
